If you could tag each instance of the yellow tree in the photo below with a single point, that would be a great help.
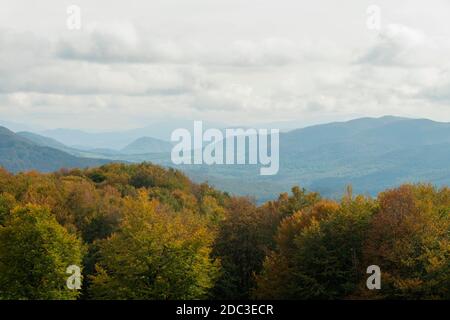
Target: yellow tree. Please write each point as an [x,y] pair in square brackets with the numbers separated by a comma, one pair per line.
[35,252]
[155,254]
[318,252]
[409,240]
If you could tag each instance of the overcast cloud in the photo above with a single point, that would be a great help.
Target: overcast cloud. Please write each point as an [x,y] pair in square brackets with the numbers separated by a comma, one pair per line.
[232,61]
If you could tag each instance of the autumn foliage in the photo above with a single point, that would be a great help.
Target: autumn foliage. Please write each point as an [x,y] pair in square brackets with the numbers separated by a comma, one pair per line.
[145,232]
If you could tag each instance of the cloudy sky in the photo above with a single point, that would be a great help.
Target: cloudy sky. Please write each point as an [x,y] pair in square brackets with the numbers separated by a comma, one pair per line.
[239,62]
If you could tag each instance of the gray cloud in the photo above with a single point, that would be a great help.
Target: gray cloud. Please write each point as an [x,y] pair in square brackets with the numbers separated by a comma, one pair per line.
[402,46]
[124,44]
[227,62]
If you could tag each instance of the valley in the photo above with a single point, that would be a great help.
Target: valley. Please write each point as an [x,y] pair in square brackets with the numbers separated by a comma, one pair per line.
[371,154]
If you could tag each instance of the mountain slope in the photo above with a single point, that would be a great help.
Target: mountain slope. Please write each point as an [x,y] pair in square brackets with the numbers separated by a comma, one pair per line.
[44,141]
[20,154]
[80,152]
[371,154]
[147,145]
[117,140]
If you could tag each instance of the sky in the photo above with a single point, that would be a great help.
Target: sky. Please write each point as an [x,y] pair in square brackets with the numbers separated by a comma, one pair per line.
[238,62]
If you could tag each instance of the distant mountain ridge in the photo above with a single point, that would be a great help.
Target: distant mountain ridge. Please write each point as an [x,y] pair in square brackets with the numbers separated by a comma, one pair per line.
[118,140]
[44,141]
[371,154]
[147,145]
[144,145]
[17,153]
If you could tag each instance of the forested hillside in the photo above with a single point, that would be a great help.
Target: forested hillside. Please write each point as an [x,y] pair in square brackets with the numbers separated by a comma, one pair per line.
[144,232]
[19,153]
[372,154]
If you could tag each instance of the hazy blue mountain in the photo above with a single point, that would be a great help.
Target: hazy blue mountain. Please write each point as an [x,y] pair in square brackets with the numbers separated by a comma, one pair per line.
[17,153]
[16,127]
[147,145]
[117,140]
[79,152]
[162,130]
[43,141]
[371,154]
[86,140]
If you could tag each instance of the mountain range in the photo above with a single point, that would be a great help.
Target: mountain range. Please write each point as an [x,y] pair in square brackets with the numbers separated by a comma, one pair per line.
[117,140]
[139,146]
[371,154]
[17,153]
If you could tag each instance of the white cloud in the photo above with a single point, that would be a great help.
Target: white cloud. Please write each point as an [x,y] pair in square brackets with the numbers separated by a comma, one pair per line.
[228,62]
[402,46]
[123,43]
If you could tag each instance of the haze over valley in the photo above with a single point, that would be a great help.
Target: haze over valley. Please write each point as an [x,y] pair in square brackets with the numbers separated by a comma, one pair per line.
[371,154]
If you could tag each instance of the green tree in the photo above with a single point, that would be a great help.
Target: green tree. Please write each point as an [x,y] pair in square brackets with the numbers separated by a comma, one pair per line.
[35,252]
[156,254]
[300,199]
[244,237]
[318,252]
[7,203]
[409,240]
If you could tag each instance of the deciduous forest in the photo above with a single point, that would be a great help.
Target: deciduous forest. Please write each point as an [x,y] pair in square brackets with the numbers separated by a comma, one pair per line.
[145,232]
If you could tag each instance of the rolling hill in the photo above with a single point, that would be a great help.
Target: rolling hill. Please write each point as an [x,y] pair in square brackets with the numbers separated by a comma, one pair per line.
[17,153]
[45,141]
[117,140]
[371,154]
[147,145]
[78,152]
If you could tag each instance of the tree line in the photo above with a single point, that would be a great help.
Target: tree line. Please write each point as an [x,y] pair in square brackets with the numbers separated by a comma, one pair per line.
[144,232]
